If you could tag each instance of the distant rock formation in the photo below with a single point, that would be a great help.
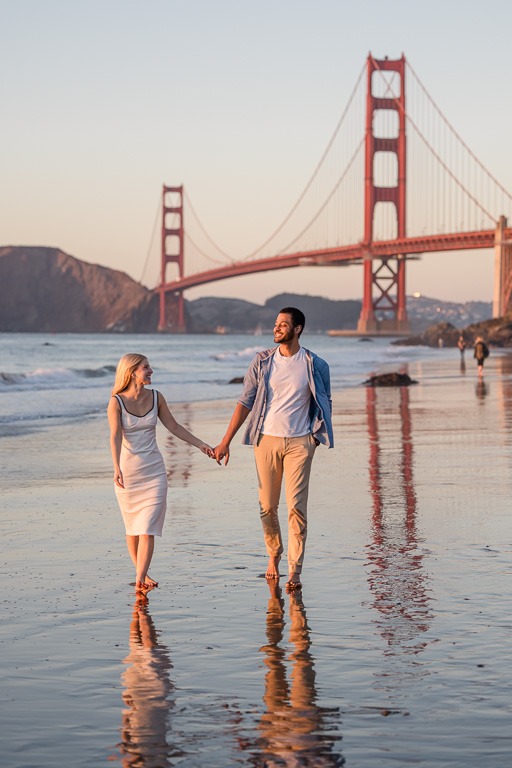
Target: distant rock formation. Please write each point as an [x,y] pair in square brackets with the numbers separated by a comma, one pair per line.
[47,290]
[238,316]
[321,314]
[430,338]
[496,333]
[232,315]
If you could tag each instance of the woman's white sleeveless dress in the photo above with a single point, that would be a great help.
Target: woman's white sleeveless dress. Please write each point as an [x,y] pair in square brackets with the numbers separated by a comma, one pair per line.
[143,500]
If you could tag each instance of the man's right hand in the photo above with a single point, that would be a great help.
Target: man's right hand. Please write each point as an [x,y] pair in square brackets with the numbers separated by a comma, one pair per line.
[222,452]
[239,416]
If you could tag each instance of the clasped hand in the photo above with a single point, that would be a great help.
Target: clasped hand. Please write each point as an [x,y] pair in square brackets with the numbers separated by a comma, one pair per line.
[222,452]
[207,450]
[218,453]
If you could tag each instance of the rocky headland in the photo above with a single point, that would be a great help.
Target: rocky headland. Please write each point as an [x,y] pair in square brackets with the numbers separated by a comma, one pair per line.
[47,290]
[496,332]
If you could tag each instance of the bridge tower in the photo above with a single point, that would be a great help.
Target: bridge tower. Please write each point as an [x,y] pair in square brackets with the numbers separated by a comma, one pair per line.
[173,238]
[384,279]
[502,270]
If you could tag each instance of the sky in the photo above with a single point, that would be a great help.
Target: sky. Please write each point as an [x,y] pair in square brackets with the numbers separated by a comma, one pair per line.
[104,101]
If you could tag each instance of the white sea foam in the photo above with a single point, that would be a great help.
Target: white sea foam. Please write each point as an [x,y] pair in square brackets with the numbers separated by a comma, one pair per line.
[247,353]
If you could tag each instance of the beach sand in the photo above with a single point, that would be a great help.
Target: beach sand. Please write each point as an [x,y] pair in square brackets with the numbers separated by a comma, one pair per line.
[397,651]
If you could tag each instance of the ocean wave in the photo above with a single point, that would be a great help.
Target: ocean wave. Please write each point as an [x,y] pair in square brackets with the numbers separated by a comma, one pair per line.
[54,376]
[70,413]
[247,353]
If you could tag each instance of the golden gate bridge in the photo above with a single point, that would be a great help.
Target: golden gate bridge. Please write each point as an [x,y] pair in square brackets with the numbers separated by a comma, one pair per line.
[395,181]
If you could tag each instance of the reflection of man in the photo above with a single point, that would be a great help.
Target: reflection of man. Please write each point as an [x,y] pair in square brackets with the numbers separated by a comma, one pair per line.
[294,730]
[287,394]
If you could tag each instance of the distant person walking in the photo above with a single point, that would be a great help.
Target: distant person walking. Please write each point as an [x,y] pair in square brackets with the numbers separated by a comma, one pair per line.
[481,352]
[287,394]
[139,471]
[461,345]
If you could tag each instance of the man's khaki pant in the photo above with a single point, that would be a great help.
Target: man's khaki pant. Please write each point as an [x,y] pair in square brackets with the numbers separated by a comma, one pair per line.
[293,457]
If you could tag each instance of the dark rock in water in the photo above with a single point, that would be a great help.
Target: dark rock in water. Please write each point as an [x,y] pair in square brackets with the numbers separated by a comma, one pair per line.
[365,338]
[390,380]
[237,380]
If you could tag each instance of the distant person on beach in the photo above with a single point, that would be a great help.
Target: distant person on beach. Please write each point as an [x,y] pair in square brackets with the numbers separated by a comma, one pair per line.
[139,470]
[461,345]
[481,352]
[288,396]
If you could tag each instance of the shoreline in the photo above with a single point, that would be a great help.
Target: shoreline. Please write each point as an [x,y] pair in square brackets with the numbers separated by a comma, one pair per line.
[61,436]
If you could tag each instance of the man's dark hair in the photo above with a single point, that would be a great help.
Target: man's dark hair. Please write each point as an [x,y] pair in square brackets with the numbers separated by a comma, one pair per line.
[298,317]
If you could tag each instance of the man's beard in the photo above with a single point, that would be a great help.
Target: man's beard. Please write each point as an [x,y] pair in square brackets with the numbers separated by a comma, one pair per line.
[284,338]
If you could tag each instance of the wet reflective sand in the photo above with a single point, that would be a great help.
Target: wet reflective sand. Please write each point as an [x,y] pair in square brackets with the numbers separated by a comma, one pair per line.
[397,652]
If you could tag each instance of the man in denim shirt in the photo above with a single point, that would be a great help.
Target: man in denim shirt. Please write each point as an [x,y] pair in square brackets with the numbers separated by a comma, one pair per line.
[287,397]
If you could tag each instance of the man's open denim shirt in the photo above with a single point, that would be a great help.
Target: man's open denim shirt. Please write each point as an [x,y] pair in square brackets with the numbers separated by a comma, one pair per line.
[254,396]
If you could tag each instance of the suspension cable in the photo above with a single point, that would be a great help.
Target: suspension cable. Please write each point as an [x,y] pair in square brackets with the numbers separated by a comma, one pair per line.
[327,201]
[450,126]
[315,172]
[189,204]
[203,253]
[150,242]
[431,148]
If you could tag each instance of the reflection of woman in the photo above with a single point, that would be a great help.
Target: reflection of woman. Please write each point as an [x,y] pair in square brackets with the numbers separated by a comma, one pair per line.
[139,470]
[147,691]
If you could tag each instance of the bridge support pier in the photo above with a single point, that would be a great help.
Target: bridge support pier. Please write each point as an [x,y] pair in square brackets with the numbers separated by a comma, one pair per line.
[389,280]
[502,270]
[173,251]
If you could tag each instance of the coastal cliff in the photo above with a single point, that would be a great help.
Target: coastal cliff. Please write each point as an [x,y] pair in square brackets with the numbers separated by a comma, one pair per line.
[47,290]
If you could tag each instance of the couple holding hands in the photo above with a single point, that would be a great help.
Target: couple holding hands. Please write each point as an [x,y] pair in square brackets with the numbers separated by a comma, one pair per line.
[287,400]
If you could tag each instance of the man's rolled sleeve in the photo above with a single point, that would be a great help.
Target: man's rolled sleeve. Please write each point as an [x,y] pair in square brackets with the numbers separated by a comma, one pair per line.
[250,386]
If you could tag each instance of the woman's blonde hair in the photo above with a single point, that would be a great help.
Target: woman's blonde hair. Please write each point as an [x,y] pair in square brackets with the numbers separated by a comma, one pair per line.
[125,368]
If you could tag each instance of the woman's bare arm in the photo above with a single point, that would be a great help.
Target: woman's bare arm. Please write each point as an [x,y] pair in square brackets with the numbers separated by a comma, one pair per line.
[170,423]
[116,438]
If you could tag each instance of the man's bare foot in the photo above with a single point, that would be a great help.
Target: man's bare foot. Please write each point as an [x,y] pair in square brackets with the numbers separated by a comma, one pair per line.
[143,586]
[293,582]
[273,567]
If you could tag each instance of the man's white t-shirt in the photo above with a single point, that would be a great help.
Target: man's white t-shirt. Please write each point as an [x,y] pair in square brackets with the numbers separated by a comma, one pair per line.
[288,397]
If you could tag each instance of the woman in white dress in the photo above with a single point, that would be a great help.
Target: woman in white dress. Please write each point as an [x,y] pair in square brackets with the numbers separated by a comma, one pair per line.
[139,470]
